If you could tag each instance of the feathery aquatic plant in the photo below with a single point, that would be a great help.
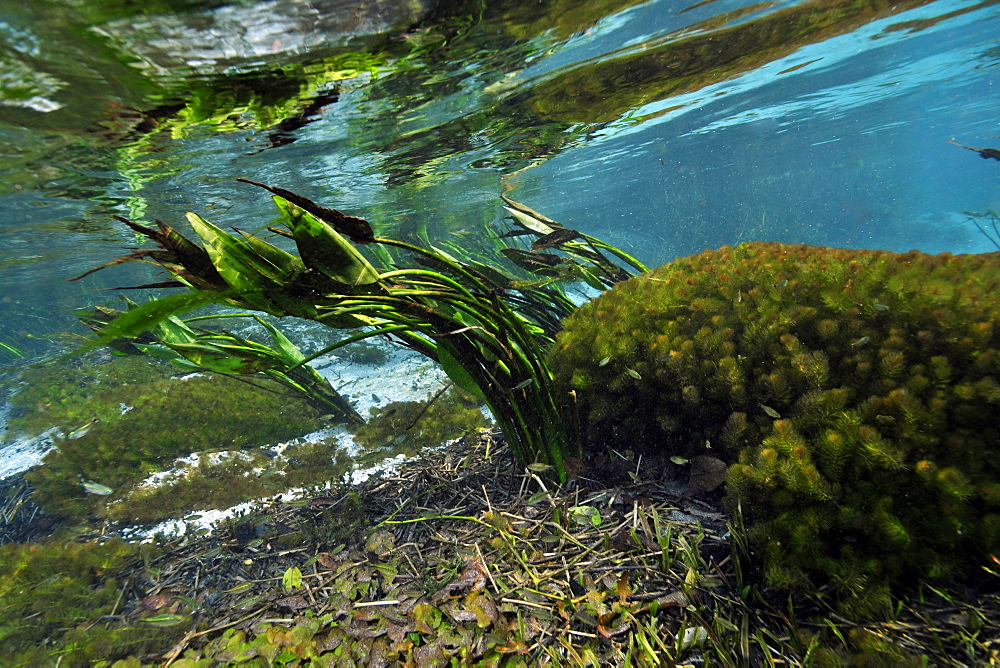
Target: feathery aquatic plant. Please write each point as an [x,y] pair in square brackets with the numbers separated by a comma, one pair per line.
[854,394]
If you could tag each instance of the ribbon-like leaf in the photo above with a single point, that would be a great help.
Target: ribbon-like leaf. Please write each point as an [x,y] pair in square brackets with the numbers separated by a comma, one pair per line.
[235,261]
[147,316]
[322,248]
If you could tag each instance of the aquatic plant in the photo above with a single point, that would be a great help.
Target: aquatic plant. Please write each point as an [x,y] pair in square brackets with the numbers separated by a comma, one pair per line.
[127,418]
[409,426]
[487,329]
[60,604]
[9,350]
[220,351]
[854,394]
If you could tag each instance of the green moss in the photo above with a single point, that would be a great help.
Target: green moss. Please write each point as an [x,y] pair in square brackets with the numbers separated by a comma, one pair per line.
[854,394]
[70,395]
[143,426]
[222,480]
[52,598]
[408,426]
[365,352]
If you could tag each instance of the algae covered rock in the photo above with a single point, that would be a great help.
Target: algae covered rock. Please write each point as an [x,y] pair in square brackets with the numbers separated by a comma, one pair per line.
[854,392]
[409,426]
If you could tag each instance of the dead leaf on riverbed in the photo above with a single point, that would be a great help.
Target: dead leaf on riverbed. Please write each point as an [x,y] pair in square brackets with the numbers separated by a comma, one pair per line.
[472,579]
[707,474]
[293,602]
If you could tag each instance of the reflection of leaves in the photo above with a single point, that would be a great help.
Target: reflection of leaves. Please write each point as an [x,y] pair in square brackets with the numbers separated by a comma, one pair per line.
[985,153]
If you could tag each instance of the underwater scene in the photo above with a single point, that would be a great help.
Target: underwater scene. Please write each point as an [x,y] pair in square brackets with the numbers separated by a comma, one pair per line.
[426,333]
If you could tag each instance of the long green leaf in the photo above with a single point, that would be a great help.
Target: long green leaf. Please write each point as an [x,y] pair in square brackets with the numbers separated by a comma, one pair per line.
[149,315]
[236,262]
[286,264]
[161,352]
[288,349]
[174,330]
[322,248]
[16,352]
[231,360]
[457,372]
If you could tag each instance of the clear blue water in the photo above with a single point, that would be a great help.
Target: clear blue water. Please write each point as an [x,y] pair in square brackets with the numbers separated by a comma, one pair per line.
[835,137]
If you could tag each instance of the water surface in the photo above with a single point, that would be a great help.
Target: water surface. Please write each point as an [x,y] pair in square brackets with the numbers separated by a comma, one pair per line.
[662,126]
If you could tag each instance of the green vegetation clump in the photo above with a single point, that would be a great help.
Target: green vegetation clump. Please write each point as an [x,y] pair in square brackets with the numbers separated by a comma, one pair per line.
[489,331]
[854,394]
[59,601]
[138,418]
[366,352]
[222,480]
[69,396]
[409,426]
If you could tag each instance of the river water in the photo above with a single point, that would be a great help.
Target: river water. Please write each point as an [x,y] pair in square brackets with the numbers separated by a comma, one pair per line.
[661,126]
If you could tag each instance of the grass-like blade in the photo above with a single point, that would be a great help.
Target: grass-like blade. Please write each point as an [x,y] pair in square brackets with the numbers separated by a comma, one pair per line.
[324,249]
[147,316]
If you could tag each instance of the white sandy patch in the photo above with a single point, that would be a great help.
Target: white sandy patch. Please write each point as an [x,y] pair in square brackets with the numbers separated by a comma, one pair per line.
[21,453]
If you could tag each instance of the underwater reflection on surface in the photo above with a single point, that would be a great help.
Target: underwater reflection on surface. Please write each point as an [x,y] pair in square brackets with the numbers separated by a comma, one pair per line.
[663,128]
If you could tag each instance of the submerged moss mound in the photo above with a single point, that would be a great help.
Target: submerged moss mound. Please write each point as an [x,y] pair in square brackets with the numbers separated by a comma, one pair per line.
[60,603]
[854,393]
[129,417]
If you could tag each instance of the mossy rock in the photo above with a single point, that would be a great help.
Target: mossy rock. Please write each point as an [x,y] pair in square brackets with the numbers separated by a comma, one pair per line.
[139,418]
[409,426]
[854,393]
